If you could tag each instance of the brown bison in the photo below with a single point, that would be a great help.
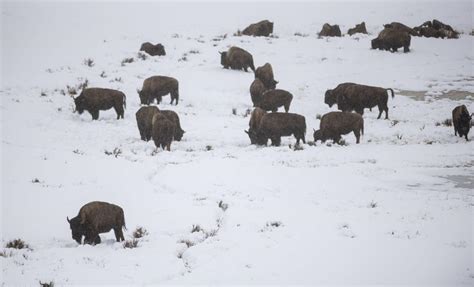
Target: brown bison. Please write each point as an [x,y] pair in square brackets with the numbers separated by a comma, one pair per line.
[276,125]
[173,116]
[335,124]
[391,39]
[144,118]
[265,74]
[153,50]
[271,100]
[254,123]
[158,86]
[461,121]
[349,97]
[257,88]
[436,29]
[359,28]
[263,28]
[94,100]
[330,31]
[94,218]
[237,59]
[163,131]
[401,27]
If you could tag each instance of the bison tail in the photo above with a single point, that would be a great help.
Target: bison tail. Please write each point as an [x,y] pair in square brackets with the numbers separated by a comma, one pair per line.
[124,101]
[393,94]
[362,126]
[252,67]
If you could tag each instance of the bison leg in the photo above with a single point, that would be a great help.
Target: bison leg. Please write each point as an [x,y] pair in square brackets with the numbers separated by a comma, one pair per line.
[274,110]
[168,147]
[287,107]
[276,141]
[357,135]
[120,111]
[386,113]
[118,234]
[380,112]
[406,49]
[94,114]
[455,130]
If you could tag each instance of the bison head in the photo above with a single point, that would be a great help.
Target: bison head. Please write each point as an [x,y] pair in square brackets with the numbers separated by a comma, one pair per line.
[223,58]
[143,97]
[317,135]
[256,137]
[376,43]
[329,99]
[80,104]
[77,229]
[179,134]
[273,84]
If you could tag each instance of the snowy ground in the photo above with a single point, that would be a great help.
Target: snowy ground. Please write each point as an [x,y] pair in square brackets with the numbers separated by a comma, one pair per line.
[395,209]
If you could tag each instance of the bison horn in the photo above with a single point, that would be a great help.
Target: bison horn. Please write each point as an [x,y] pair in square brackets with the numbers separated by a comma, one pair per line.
[246,132]
[67,218]
[314,129]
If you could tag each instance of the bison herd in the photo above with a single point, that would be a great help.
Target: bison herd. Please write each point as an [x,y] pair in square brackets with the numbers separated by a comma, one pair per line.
[266,123]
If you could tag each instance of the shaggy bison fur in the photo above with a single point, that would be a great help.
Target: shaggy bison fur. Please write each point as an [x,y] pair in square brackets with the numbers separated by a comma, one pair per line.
[265,74]
[158,86]
[401,27]
[144,118]
[350,96]
[237,59]
[330,31]
[461,121]
[254,123]
[273,99]
[437,29]
[163,131]
[359,28]
[335,124]
[94,100]
[257,88]
[263,28]
[391,40]
[173,116]
[153,50]
[273,126]
[94,218]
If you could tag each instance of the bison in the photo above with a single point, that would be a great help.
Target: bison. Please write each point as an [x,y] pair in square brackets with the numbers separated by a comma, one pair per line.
[158,86]
[271,100]
[275,125]
[94,100]
[401,27]
[330,31]
[173,116]
[263,28]
[335,124]
[97,217]
[237,59]
[153,50]
[436,29]
[254,123]
[257,88]
[144,118]
[461,121]
[265,74]
[163,130]
[359,28]
[350,96]
[391,40]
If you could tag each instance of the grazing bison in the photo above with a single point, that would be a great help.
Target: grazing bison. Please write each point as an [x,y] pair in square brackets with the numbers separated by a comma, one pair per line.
[461,121]
[357,97]
[265,74]
[163,131]
[158,86]
[97,217]
[257,88]
[144,121]
[237,59]
[94,100]
[173,116]
[273,99]
[359,28]
[263,28]
[401,27]
[330,31]
[254,123]
[153,50]
[436,29]
[335,124]
[391,39]
[276,125]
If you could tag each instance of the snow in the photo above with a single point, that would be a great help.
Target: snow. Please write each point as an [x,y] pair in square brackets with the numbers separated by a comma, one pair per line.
[395,209]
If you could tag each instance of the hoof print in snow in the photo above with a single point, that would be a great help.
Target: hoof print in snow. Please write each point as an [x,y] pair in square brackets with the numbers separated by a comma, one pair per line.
[271,225]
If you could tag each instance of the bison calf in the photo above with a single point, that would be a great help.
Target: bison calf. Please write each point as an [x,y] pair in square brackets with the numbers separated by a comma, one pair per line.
[237,59]
[273,99]
[158,86]
[275,125]
[94,218]
[335,124]
[461,121]
[144,118]
[163,131]
[265,74]
[153,50]
[94,100]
